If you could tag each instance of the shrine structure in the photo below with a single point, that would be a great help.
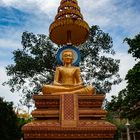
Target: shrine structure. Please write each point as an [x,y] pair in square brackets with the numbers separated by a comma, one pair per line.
[68,109]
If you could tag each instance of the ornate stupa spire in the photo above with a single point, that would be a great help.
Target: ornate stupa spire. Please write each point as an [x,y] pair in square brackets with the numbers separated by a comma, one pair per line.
[69,26]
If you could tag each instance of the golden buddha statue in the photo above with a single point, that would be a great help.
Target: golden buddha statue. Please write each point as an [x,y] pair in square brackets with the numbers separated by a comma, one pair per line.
[67,79]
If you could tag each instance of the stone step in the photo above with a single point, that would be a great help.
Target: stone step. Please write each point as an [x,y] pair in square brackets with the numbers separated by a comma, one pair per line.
[53,101]
[82,113]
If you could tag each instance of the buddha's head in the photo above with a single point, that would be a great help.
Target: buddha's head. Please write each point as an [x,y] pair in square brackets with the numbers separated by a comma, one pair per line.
[67,56]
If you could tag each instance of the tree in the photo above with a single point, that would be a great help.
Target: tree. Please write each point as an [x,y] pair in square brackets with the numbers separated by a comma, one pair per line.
[133,79]
[34,65]
[117,105]
[101,70]
[134,46]
[128,100]
[9,128]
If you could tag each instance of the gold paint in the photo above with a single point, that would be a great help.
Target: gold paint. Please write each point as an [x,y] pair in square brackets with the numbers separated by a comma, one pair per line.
[67,79]
[69,19]
[72,122]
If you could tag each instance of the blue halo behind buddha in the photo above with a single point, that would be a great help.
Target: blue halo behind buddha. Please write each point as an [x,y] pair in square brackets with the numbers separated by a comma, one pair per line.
[75,50]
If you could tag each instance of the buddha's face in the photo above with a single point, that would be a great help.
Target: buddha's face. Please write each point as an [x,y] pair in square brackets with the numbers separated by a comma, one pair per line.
[67,57]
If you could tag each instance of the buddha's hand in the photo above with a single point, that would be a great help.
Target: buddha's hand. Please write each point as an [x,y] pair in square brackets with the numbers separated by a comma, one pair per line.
[60,84]
[57,84]
[79,84]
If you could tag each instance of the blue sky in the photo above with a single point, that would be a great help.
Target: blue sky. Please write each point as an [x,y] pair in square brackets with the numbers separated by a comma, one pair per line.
[118,18]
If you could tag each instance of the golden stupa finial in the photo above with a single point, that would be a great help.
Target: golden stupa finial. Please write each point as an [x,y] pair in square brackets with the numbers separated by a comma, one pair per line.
[69,26]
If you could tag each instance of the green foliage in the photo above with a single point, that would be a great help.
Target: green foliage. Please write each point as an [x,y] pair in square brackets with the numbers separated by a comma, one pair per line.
[101,70]
[137,123]
[133,79]
[9,128]
[134,46]
[121,124]
[117,104]
[133,92]
[35,63]
[111,117]
[23,121]
[127,103]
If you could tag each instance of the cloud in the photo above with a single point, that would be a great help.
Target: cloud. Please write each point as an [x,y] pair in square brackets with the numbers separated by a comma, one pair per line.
[10,16]
[14,21]
[7,46]
[5,90]
[9,43]
[109,13]
[34,6]
[126,62]
[105,13]
[118,18]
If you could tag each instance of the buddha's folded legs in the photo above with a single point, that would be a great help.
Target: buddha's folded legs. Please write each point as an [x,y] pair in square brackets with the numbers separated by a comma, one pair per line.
[57,90]
[47,89]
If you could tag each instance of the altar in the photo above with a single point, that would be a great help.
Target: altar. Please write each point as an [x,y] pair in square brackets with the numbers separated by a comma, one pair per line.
[69,117]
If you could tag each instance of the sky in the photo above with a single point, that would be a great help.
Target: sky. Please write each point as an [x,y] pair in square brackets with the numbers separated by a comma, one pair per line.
[119,18]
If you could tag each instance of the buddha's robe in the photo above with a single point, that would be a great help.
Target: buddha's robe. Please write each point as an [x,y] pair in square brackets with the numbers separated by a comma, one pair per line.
[67,80]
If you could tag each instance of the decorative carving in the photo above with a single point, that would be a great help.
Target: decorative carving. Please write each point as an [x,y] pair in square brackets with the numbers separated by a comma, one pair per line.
[45,126]
[69,26]
[69,114]
[86,129]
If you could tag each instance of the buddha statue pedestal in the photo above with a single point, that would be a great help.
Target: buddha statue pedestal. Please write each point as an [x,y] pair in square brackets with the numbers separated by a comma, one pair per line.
[69,116]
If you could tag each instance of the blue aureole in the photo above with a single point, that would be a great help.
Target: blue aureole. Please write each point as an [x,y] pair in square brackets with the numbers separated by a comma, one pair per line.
[75,50]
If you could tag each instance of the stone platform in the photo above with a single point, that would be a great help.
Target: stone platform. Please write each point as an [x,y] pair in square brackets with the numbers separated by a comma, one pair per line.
[69,117]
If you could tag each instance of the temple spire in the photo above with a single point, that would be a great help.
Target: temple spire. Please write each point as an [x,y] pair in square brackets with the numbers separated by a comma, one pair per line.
[69,26]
